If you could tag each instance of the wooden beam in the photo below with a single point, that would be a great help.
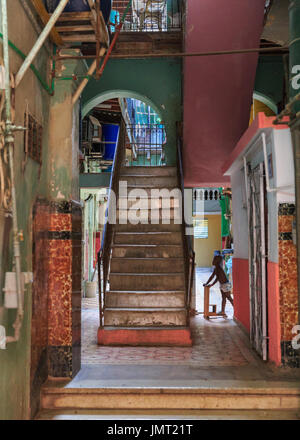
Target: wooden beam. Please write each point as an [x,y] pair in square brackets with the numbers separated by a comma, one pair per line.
[44,16]
[75,28]
[75,16]
[79,38]
[104,37]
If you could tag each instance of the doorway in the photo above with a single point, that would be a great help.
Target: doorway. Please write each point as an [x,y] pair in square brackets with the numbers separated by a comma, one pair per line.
[258,228]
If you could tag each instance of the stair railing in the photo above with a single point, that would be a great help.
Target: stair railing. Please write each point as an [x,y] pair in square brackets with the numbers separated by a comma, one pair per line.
[110,220]
[189,254]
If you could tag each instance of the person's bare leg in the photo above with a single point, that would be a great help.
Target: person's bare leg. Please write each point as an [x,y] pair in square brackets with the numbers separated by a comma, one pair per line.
[228,296]
[223,304]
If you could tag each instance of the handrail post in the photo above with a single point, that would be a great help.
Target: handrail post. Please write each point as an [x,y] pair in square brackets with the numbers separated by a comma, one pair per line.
[189,254]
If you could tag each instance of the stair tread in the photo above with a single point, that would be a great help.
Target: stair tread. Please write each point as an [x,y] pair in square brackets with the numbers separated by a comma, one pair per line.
[110,327]
[147,258]
[147,273]
[150,186]
[146,233]
[144,175]
[145,309]
[144,245]
[145,291]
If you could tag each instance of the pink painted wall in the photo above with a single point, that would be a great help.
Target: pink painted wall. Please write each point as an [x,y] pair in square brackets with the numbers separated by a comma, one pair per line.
[217,89]
[240,276]
[274,313]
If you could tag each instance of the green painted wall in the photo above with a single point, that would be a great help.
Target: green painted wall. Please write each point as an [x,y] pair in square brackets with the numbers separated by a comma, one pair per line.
[57,178]
[270,78]
[157,81]
[15,360]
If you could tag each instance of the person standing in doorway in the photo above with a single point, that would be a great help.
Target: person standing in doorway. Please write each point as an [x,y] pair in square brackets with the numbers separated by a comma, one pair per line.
[225,285]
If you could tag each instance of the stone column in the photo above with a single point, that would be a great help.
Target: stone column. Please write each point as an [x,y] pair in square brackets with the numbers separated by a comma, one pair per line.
[58,228]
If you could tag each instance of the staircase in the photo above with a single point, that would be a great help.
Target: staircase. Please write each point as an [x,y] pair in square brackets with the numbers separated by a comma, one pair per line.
[146,293]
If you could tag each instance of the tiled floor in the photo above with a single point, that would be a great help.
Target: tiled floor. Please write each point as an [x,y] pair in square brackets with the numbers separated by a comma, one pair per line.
[220,352]
[214,344]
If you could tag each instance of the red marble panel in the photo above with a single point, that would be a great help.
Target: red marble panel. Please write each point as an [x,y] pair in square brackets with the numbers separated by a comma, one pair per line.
[60,222]
[285,223]
[288,285]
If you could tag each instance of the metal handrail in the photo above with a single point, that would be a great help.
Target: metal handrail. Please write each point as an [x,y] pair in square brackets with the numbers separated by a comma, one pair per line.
[104,254]
[189,254]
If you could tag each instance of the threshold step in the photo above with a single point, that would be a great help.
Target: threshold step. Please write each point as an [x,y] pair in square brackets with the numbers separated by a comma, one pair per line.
[207,397]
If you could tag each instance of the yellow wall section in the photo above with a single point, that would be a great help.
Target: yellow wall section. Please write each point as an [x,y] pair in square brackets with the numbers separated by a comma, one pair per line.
[257,107]
[204,247]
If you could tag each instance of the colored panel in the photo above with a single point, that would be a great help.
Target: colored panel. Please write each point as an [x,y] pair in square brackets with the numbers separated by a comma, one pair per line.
[274,313]
[176,337]
[240,276]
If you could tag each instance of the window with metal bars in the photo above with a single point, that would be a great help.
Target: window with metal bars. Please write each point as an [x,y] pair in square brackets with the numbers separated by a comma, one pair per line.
[33,138]
[200,228]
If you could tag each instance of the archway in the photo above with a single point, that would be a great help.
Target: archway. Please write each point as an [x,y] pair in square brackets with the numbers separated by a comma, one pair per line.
[99,98]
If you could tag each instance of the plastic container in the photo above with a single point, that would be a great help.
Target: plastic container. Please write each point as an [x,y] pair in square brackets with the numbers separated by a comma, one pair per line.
[110,133]
[91,289]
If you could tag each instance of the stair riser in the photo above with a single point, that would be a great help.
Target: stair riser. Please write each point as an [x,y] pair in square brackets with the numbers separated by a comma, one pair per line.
[147,266]
[145,203]
[149,216]
[120,318]
[136,300]
[146,282]
[172,227]
[172,238]
[152,252]
[153,171]
[164,192]
[153,182]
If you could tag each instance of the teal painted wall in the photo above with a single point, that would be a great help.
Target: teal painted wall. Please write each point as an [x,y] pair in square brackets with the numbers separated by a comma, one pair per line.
[54,178]
[269,79]
[15,360]
[157,80]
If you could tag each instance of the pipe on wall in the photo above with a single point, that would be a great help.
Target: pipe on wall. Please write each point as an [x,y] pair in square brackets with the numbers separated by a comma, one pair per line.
[48,89]
[9,140]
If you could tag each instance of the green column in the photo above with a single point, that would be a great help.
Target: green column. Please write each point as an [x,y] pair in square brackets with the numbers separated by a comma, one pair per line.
[294,15]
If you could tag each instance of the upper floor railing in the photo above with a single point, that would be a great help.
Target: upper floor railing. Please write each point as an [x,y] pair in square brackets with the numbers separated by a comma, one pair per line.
[148,15]
[145,144]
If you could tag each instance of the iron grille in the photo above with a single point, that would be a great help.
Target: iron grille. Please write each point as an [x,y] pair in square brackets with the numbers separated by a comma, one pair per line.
[148,15]
[145,144]
[33,137]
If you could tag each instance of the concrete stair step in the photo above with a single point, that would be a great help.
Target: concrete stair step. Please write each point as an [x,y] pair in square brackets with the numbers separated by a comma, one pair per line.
[146,203]
[152,191]
[150,181]
[140,299]
[104,414]
[148,238]
[140,227]
[141,317]
[135,214]
[58,395]
[147,265]
[146,251]
[154,281]
[153,171]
